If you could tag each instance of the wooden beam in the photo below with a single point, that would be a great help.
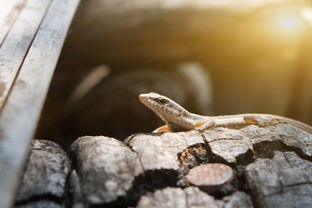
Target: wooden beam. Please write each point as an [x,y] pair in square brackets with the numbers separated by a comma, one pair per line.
[16,45]
[9,12]
[21,112]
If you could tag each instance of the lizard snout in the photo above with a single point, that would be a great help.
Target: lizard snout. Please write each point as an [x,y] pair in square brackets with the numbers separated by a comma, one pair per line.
[142,98]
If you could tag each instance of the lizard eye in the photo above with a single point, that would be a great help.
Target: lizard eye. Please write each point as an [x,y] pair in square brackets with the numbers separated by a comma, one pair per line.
[163,101]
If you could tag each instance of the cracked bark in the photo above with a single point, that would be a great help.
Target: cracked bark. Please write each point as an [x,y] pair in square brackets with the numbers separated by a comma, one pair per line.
[272,168]
[107,170]
[44,180]
[243,150]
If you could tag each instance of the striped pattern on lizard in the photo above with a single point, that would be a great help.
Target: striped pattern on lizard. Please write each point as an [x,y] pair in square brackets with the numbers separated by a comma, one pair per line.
[177,118]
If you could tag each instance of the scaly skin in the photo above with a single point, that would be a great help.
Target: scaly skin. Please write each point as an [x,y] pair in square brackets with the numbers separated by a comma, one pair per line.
[177,118]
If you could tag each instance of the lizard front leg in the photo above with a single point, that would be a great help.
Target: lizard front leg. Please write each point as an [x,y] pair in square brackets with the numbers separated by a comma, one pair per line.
[162,129]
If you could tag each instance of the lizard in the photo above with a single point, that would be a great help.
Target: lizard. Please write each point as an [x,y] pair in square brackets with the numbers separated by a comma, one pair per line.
[177,118]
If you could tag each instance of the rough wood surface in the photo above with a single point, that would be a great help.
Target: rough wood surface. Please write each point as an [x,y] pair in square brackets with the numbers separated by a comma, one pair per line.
[192,197]
[282,181]
[35,41]
[271,167]
[44,177]
[107,169]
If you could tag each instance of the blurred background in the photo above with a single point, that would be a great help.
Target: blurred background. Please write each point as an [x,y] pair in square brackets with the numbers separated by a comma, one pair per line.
[214,57]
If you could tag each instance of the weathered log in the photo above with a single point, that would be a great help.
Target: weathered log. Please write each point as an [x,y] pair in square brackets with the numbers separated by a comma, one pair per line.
[44,179]
[272,168]
[107,170]
[29,50]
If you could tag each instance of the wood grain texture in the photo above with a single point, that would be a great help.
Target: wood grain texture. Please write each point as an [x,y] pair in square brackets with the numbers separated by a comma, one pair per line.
[21,112]
[9,12]
[15,47]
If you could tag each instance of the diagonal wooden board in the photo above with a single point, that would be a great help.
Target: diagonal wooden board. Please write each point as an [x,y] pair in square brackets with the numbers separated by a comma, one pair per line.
[21,111]
[17,43]
[9,12]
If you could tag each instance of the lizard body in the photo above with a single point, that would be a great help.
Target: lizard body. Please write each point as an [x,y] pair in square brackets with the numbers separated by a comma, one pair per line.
[177,118]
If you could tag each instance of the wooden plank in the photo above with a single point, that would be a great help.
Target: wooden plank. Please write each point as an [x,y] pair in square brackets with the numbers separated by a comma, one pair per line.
[17,42]
[21,112]
[9,12]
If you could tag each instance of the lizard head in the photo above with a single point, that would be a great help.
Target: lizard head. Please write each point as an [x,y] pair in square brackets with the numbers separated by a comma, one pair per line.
[165,108]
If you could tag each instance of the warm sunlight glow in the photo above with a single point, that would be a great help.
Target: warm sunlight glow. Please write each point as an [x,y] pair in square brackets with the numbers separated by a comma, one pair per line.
[307,15]
[289,23]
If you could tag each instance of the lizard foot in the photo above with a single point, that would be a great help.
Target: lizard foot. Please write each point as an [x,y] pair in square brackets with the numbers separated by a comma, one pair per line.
[162,129]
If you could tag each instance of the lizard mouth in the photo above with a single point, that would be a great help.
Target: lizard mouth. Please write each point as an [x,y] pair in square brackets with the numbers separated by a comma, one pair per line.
[143,98]
[149,101]
[147,98]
